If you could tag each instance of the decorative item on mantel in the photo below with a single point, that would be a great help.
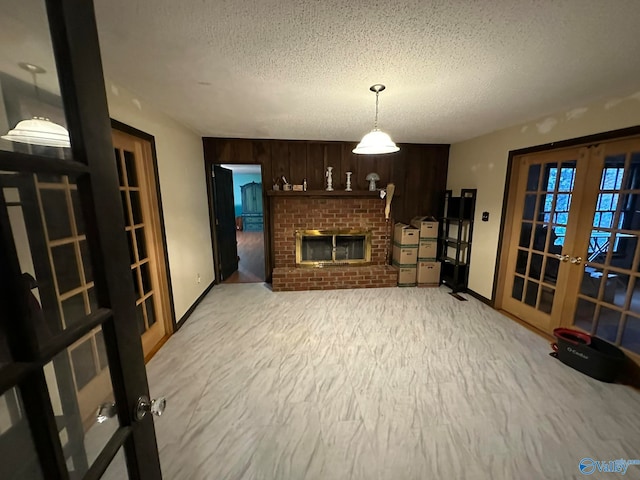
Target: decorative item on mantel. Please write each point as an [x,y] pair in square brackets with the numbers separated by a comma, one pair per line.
[348,189]
[329,179]
[372,178]
[286,186]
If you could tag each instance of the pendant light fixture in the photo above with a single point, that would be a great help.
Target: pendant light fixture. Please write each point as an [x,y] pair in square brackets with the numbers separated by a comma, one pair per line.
[38,130]
[376,141]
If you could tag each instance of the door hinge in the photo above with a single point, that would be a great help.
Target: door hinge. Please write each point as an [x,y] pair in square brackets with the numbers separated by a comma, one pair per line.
[217,223]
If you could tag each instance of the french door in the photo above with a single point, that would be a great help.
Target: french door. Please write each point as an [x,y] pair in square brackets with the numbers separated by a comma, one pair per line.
[69,340]
[573,256]
[146,247]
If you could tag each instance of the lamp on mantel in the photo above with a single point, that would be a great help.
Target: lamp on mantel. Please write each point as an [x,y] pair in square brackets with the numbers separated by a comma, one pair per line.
[376,141]
[38,130]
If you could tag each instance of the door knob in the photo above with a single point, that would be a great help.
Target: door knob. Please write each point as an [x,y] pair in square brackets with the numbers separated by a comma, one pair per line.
[563,258]
[155,407]
[576,260]
[105,412]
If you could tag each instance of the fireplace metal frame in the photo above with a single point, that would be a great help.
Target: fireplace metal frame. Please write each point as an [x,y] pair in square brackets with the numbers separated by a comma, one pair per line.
[333,233]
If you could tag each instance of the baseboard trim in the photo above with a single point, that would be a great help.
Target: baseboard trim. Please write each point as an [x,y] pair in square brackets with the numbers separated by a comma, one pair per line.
[477,296]
[193,307]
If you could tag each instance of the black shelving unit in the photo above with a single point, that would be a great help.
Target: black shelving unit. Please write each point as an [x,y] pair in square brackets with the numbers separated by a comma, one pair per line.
[456,233]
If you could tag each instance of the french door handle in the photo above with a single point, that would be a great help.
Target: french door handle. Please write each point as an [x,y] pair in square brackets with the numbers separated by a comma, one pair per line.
[563,258]
[576,260]
[155,407]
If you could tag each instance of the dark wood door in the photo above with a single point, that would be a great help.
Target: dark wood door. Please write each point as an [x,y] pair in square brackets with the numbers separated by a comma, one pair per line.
[225,221]
[69,340]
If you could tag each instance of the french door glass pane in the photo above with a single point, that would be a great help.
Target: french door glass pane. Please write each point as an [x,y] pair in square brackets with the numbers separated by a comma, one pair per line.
[17,450]
[117,469]
[29,90]
[631,334]
[78,382]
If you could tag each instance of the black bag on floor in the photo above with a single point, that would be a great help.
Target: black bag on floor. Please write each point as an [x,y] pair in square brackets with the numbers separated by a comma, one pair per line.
[587,354]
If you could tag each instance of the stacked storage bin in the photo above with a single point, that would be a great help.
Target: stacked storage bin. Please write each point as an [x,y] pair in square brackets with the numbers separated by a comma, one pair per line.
[427,268]
[405,253]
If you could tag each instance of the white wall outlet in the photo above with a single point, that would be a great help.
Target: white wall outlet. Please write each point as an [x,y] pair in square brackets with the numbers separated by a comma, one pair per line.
[197,278]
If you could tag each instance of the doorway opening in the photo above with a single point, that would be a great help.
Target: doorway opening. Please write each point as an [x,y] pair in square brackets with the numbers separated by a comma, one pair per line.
[239,222]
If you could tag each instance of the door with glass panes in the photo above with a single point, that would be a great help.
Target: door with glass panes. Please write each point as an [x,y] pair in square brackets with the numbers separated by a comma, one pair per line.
[69,343]
[573,257]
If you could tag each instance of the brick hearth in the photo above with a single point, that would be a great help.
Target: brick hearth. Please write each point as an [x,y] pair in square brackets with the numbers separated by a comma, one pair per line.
[302,212]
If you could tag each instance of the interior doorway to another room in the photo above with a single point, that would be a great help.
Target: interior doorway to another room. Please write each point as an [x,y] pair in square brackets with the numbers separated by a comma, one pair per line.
[238,195]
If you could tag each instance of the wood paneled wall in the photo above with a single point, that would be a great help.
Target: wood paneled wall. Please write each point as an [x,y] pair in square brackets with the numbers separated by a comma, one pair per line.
[419,171]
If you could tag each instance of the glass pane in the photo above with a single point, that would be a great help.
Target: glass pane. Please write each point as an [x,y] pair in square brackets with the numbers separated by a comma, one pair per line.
[146,277]
[140,318]
[525,234]
[529,207]
[599,245]
[142,244]
[521,262]
[103,362]
[125,207]
[85,363]
[630,212]
[585,311]
[117,469]
[132,254]
[136,207]
[551,270]
[518,288]
[29,90]
[86,261]
[533,178]
[546,299]
[591,281]
[17,449]
[624,249]
[536,266]
[540,238]
[121,179]
[151,311]
[56,213]
[545,207]
[633,175]
[93,300]
[130,162]
[631,334]
[532,294]
[136,283]
[77,211]
[608,323]
[567,177]
[73,309]
[549,177]
[81,436]
[65,265]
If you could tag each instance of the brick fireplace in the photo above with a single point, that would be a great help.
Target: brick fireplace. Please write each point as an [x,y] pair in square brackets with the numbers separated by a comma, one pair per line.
[295,211]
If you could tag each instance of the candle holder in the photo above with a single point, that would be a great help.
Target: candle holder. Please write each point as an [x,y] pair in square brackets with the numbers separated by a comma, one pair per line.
[329,179]
[348,189]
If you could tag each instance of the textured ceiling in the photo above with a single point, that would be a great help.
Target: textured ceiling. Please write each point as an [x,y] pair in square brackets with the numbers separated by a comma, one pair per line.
[301,69]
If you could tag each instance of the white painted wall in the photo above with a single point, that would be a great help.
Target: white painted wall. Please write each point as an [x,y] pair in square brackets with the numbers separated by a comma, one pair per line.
[183,190]
[481,163]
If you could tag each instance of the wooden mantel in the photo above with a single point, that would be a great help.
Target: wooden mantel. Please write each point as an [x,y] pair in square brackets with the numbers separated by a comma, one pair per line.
[324,193]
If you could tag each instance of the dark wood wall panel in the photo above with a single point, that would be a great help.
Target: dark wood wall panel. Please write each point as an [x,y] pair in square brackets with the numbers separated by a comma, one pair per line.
[419,171]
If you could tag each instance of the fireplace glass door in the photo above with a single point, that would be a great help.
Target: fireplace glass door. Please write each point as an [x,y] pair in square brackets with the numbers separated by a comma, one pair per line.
[320,248]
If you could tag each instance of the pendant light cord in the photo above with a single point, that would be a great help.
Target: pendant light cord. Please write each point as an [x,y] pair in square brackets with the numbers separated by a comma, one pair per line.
[375,123]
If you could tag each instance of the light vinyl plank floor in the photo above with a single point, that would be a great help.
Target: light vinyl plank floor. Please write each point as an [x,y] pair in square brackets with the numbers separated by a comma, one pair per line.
[395,383]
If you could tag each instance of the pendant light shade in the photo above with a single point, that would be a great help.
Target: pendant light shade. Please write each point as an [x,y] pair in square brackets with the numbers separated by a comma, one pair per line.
[39,131]
[376,142]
